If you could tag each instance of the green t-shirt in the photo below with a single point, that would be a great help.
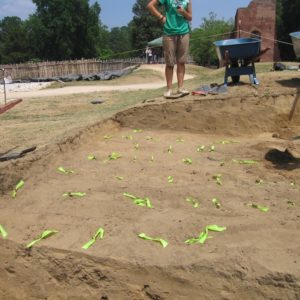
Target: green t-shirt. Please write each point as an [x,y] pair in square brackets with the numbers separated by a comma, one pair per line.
[175,23]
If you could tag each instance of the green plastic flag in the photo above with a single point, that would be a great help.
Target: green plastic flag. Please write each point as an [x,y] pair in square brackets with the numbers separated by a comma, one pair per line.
[120,177]
[3,232]
[107,137]
[187,161]
[91,157]
[129,196]
[259,181]
[98,235]
[143,236]
[137,130]
[179,140]
[44,235]
[114,156]
[145,202]
[225,142]
[216,202]
[170,179]
[245,161]
[63,170]
[212,148]
[200,148]
[203,236]
[260,207]
[170,149]
[218,177]
[193,201]
[19,185]
[74,194]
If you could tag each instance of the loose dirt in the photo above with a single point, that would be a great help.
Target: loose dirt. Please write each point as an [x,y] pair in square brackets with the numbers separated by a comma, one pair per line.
[256,257]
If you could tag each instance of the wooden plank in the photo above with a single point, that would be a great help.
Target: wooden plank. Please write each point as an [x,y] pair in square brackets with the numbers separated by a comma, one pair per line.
[11,104]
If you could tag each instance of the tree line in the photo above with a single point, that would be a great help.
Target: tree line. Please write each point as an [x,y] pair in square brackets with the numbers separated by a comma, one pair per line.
[67,30]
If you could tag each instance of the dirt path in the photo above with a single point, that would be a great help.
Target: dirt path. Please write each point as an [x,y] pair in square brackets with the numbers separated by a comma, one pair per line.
[97,87]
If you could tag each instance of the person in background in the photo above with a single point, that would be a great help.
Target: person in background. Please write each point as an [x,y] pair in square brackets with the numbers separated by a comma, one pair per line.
[176,27]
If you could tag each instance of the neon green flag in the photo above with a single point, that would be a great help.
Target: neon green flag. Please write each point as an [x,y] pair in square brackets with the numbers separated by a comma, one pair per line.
[200,148]
[260,207]
[91,157]
[63,170]
[216,202]
[170,179]
[19,185]
[98,235]
[143,236]
[218,177]
[44,235]
[203,236]
[145,202]
[245,161]
[193,201]
[3,232]
[187,161]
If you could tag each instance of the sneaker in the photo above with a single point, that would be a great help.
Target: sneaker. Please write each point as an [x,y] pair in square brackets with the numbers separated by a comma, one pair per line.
[168,93]
[183,92]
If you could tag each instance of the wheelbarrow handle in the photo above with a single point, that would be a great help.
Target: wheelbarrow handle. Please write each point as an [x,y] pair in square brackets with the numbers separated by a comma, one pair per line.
[261,53]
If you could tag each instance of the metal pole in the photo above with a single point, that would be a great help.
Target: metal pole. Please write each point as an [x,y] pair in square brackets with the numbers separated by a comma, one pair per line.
[3,70]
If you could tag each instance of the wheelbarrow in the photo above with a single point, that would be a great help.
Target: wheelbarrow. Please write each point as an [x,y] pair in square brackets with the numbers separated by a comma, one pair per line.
[289,150]
[295,36]
[239,57]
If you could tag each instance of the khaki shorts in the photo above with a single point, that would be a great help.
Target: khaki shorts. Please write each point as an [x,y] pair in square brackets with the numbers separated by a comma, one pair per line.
[176,48]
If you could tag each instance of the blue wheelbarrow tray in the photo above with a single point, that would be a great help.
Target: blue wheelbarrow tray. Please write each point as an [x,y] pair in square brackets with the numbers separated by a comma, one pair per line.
[239,56]
[295,36]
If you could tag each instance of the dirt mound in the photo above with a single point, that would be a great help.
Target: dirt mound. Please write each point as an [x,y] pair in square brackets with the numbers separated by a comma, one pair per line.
[227,115]
[199,162]
[46,273]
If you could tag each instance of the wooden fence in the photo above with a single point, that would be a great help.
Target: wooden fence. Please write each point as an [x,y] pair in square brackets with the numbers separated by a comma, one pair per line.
[63,68]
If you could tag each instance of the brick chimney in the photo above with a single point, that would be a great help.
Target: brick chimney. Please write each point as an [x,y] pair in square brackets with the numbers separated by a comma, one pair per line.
[259,20]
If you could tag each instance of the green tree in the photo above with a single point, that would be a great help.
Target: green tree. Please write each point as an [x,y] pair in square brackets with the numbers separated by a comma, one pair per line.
[144,26]
[63,29]
[287,21]
[103,43]
[14,46]
[203,50]
[120,40]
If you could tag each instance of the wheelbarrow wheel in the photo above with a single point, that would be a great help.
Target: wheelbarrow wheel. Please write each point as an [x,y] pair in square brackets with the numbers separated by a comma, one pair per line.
[236,78]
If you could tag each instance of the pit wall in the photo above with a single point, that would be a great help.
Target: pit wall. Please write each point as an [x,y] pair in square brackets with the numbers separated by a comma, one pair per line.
[225,116]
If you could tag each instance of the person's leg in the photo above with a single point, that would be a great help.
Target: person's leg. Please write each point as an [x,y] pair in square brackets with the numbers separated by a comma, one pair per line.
[169,76]
[182,55]
[180,74]
[169,46]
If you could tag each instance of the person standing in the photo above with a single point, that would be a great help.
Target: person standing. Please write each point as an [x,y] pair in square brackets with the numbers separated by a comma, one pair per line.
[176,27]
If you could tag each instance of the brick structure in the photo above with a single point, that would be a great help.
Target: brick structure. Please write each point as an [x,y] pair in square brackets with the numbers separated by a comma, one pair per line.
[259,18]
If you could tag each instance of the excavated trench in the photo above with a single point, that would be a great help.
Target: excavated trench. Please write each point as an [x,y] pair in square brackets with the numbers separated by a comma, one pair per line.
[256,257]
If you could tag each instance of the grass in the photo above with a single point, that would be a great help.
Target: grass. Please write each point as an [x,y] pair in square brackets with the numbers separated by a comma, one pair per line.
[41,121]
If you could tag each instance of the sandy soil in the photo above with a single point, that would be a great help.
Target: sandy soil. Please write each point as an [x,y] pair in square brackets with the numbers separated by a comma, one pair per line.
[256,257]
